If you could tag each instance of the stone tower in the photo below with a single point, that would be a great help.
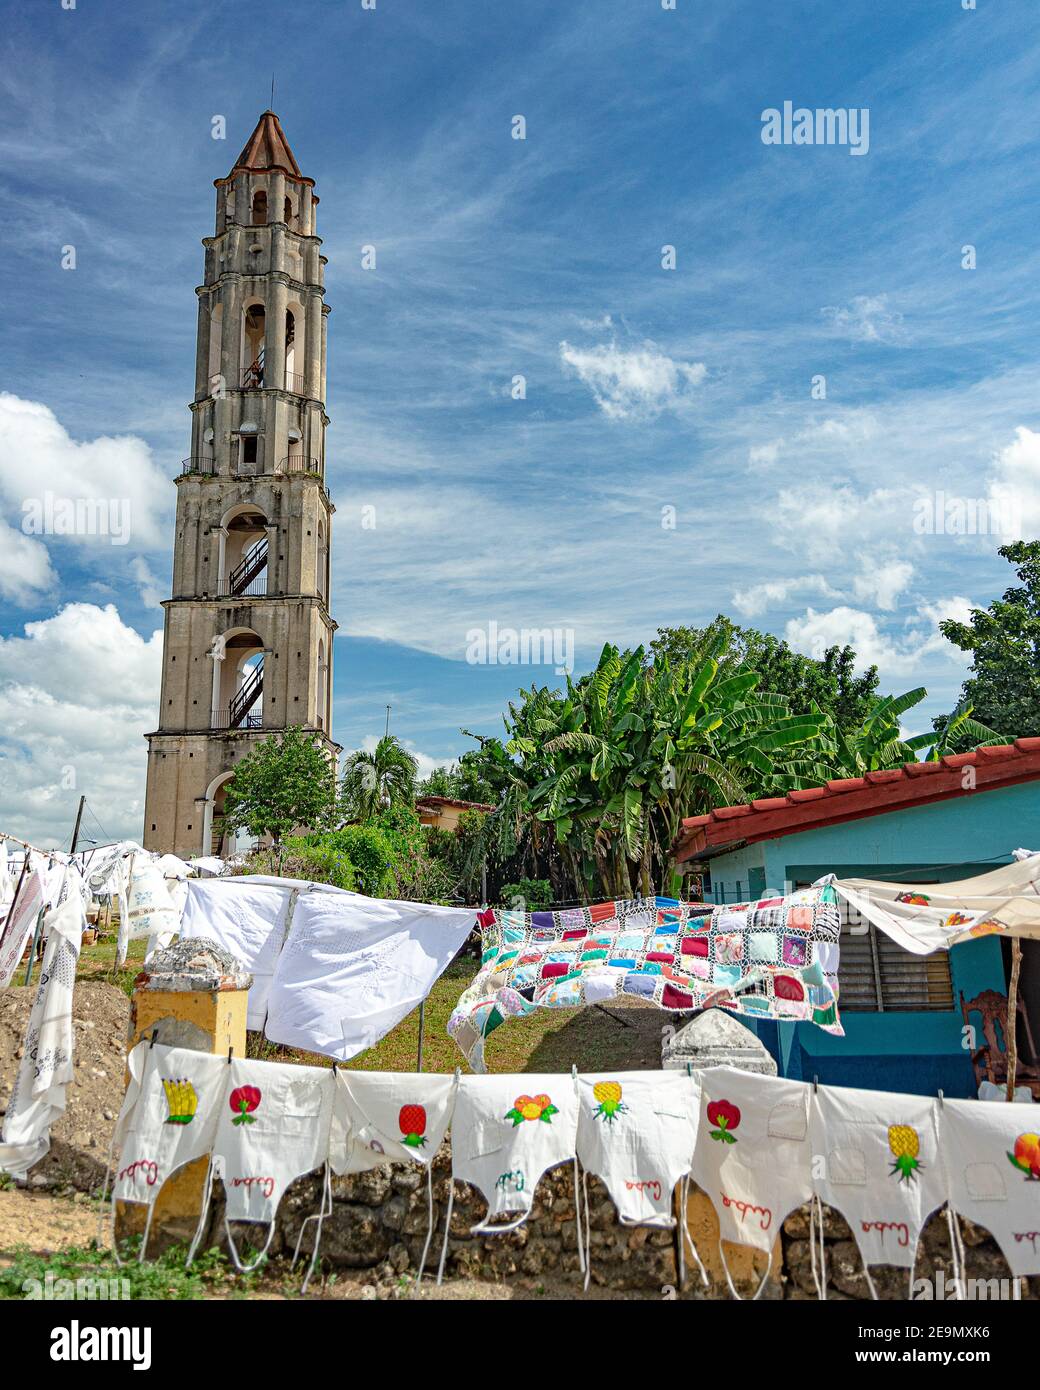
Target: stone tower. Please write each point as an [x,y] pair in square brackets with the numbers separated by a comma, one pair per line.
[247,644]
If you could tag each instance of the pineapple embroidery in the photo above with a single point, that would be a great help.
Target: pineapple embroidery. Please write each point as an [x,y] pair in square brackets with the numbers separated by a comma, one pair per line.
[182,1101]
[905,1146]
[531,1108]
[608,1093]
[412,1120]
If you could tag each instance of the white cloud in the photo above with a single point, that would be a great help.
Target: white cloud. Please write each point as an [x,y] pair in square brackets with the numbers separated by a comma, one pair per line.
[883,583]
[1014,485]
[77,692]
[126,490]
[833,519]
[633,385]
[148,585]
[853,427]
[765,455]
[903,656]
[958,607]
[866,319]
[758,598]
[25,566]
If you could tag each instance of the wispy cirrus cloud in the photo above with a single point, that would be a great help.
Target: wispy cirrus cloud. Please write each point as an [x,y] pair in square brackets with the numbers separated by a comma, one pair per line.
[867,318]
[634,383]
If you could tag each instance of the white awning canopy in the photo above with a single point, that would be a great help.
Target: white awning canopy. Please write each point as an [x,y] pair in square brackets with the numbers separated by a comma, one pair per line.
[931,917]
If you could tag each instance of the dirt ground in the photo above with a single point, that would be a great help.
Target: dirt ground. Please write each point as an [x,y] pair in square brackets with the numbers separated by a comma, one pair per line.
[44,1222]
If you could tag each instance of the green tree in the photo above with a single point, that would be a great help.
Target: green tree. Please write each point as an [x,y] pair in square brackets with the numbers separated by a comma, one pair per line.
[609,768]
[287,782]
[1003,691]
[831,682]
[374,781]
[464,780]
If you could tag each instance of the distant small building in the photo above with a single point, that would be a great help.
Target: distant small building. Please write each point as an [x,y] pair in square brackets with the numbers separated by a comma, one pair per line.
[921,823]
[443,812]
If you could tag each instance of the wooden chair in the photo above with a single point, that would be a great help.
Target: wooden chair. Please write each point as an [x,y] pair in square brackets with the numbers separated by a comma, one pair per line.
[990,1060]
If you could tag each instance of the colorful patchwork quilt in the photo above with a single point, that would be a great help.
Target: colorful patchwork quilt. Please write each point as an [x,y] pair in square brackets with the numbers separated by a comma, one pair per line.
[776,958]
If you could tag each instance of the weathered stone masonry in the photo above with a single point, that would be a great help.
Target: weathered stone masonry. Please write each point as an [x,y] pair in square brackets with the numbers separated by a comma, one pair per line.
[247,646]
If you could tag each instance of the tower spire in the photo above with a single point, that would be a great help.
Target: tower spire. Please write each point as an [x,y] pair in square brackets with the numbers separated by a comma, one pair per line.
[267,148]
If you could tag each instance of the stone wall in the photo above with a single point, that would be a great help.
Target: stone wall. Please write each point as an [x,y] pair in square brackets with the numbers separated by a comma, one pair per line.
[379,1223]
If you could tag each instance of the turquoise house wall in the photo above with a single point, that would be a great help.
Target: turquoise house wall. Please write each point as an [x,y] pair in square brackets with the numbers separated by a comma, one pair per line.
[921,1051]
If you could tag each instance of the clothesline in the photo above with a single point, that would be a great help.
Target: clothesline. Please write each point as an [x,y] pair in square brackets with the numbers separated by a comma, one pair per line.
[748,1142]
[26,845]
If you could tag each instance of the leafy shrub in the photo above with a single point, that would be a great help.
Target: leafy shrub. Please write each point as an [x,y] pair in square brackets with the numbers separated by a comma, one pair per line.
[534,893]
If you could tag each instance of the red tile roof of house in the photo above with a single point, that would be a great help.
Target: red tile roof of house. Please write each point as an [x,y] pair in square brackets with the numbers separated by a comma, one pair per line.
[435,801]
[851,798]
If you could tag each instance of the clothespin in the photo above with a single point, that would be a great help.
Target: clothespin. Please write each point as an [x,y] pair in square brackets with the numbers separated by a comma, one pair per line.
[229,1052]
[155,1034]
[942,1101]
[574,1071]
[335,1067]
[816,1085]
[458,1075]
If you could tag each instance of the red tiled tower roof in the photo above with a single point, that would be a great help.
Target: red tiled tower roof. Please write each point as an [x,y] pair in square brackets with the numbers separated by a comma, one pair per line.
[267,148]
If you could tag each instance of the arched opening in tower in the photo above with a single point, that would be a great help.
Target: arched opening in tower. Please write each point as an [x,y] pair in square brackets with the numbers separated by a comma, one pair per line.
[260,208]
[217,837]
[293,381]
[255,331]
[245,555]
[323,563]
[322,699]
[239,702]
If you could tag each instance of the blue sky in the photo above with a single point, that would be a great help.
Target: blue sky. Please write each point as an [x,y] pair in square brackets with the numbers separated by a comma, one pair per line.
[647,388]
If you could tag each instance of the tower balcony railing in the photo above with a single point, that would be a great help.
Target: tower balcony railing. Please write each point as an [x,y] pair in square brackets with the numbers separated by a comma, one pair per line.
[256,376]
[299,463]
[200,466]
[198,463]
[227,719]
[253,375]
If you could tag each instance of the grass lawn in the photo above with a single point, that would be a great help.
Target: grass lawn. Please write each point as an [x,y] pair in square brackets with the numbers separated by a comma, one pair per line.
[98,963]
[550,1040]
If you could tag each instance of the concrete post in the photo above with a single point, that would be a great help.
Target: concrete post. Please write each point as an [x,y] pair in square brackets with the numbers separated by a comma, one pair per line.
[191,995]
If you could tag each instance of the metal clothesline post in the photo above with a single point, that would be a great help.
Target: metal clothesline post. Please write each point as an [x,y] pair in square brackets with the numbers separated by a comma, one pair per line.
[35,942]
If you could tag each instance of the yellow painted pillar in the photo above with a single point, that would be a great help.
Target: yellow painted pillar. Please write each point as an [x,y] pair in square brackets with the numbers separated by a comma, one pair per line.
[193,994]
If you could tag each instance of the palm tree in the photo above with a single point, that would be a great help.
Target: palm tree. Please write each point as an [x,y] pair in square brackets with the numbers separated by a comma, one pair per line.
[955,730]
[373,781]
[635,749]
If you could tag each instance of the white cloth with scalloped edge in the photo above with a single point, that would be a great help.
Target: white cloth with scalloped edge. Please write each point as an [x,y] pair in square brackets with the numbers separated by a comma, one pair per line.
[386,1116]
[168,1118]
[879,1166]
[508,1131]
[753,1154]
[636,1132]
[992,1158]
